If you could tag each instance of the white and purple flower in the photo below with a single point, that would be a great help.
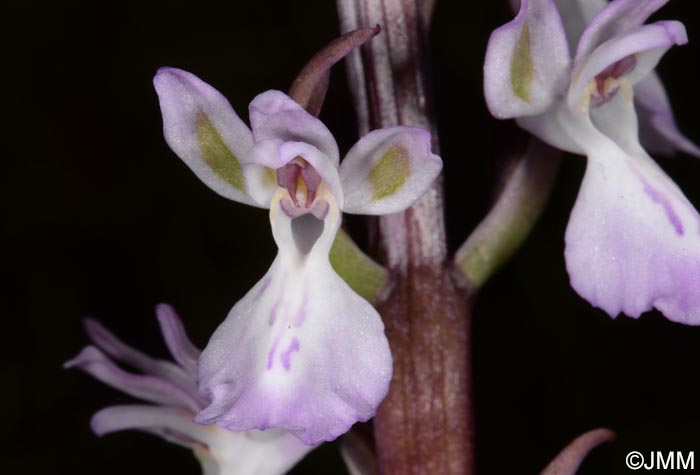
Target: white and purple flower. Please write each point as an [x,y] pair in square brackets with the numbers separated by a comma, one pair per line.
[658,132]
[300,351]
[633,239]
[171,388]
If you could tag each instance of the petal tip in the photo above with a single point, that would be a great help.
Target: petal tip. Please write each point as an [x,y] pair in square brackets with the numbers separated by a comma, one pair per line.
[86,355]
[97,425]
[165,312]
[676,31]
[90,324]
[93,328]
[166,73]
[272,101]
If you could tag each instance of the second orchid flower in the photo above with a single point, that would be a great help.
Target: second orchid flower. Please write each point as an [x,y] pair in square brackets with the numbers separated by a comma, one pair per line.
[633,239]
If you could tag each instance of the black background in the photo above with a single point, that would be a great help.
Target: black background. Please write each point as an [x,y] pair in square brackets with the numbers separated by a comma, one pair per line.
[102,219]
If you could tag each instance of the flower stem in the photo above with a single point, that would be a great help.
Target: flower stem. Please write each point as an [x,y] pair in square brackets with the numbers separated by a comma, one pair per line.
[359,271]
[425,424]
[511,219]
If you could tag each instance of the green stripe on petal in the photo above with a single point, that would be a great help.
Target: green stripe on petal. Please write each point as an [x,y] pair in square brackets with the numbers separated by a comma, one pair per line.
[390,173]
[522,73]
[217,155]
[269,177]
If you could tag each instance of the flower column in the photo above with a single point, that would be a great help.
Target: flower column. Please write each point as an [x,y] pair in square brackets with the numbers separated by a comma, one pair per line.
[425,424]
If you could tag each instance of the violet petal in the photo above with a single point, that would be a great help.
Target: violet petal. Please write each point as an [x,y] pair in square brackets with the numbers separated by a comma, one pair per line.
[276,116]
[527,62]
[202,128]
[658,130]
[179,344]
[387,170]
[174,424]
[647,43]
[616,19]
[149,388]
[120,351]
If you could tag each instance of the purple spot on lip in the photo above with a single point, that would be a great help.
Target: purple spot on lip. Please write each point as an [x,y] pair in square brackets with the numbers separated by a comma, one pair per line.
[301,313]
[264,287]
[271,354]
[273,314]
[286,356]
[661,199]
[658,197]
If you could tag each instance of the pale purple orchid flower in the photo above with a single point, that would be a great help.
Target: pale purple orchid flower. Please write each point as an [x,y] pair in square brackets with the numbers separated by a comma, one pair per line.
[658,131]
[171,388]
[301,351]
[633,239]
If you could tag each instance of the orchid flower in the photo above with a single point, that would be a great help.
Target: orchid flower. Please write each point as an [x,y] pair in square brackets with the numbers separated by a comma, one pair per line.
[633,239]
[171,387]
[300,351]
[658,132]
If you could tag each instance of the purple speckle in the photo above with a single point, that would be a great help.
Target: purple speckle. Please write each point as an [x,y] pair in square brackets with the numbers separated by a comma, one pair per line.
[286,356]
[301,313]
[273,313]
[271,354]
[264,287]
[658,197]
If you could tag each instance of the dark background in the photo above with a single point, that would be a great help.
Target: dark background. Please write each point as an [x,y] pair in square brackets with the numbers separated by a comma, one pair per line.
[102,219]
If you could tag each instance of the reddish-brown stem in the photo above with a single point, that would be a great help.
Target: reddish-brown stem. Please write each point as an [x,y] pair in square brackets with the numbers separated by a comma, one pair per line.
[309,87]
[425,425]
